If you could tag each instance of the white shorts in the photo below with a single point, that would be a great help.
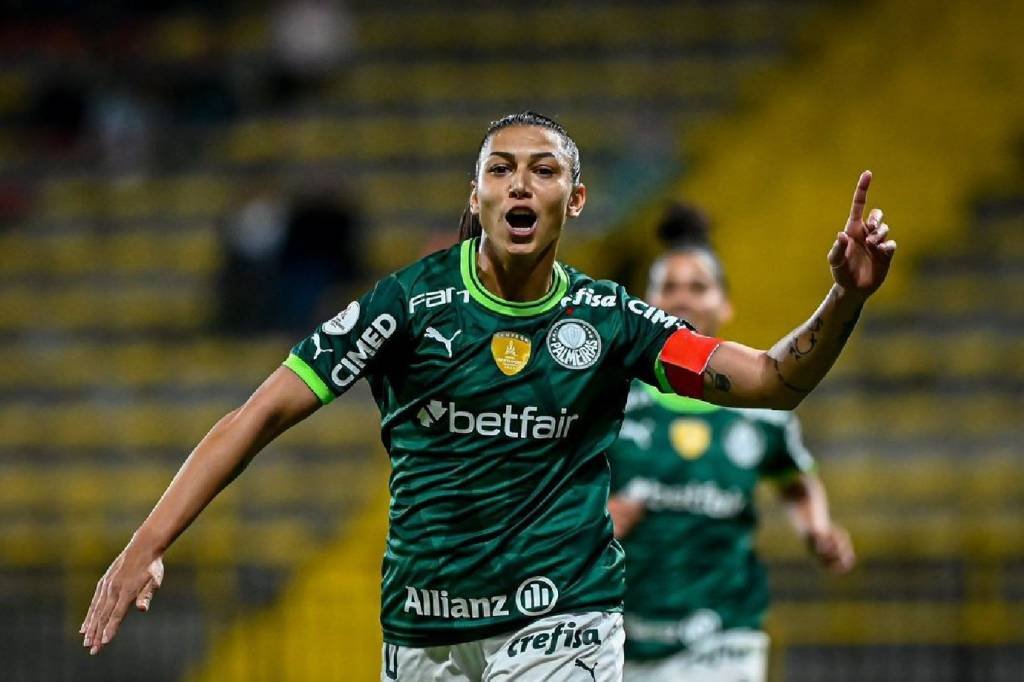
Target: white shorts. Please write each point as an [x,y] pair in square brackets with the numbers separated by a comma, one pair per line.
[730,656]
[575,647]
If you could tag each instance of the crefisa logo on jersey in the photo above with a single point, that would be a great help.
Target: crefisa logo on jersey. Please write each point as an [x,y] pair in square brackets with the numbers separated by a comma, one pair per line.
[343,322]
[574,344]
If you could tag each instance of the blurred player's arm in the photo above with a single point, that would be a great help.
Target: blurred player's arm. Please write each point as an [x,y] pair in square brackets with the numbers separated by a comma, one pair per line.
[280,402]
[625,513]
[779,378]
[807,505]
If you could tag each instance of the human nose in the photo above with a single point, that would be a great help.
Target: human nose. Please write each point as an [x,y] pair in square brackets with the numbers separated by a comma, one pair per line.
[519,188]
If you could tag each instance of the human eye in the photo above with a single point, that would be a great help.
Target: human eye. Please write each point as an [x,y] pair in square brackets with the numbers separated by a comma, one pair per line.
[544,171]
[498,169]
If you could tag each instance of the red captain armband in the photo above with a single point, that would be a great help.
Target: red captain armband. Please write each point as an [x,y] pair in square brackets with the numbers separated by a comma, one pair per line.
[682,361]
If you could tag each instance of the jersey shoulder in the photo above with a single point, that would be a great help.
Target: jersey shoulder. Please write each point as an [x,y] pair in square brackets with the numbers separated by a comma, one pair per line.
[586,291]
[438,269]
[581,280]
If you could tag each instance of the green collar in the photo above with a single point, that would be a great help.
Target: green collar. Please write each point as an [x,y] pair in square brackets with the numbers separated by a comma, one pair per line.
[476,289]
[679,403]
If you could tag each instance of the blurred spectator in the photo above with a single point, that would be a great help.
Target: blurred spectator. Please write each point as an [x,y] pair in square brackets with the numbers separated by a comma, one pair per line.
[249,289]
[123,123]
[58,113]
[311,40]
[281,258]
[322,251]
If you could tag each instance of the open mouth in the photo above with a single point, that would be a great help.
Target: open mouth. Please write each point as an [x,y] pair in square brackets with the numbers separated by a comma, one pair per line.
[521,221]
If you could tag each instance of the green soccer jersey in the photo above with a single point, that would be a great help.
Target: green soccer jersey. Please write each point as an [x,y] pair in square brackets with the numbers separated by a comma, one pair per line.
[690,562]
[496,415]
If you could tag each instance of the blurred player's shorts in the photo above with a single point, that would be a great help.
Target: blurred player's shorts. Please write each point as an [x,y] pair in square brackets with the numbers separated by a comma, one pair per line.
[739,655]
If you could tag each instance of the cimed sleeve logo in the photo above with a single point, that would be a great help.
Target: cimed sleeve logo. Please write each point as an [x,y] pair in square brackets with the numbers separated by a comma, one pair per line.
[343,322]
[574,344]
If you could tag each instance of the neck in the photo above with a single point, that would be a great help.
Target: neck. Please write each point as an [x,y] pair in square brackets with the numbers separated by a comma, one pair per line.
[514,277]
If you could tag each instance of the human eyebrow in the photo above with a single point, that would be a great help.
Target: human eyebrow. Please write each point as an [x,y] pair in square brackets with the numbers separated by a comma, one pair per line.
[511,158]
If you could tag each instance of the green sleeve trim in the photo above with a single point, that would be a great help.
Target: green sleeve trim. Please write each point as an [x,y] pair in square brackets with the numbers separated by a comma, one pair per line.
[480,294]
[659,372]
[679,403]
[310,377]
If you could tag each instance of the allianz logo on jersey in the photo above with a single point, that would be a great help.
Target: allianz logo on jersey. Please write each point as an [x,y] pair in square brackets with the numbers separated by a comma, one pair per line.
[513,422]
[696,497]
[534,597]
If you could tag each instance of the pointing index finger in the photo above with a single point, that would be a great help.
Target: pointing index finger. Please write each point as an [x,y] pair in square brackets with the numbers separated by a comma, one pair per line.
[860,196]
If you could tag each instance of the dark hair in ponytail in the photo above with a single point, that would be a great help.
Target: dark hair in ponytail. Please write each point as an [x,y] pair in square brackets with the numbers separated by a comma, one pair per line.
[684,228]
[470,226]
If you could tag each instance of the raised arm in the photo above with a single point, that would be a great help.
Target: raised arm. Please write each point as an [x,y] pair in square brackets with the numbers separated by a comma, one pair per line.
[280,402]
[807,504]
[779,378]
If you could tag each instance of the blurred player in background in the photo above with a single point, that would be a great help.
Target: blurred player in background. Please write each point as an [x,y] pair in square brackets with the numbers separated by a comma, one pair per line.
[501,376]
[684,474]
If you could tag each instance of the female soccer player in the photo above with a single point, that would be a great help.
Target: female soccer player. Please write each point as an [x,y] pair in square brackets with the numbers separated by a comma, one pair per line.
[684,473]
[501,376]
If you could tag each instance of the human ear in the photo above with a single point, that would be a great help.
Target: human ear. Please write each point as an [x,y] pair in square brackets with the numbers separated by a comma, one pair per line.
[576,201]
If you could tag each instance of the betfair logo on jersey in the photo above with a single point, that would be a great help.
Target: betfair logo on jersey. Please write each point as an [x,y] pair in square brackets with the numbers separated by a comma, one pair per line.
[574,344]
[696,497]
[561,636]
[511,352]
[367,345]
[512,423]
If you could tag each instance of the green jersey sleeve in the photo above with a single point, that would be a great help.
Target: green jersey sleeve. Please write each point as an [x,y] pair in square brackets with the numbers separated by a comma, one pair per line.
[645,330]
[787,454]
[353,344]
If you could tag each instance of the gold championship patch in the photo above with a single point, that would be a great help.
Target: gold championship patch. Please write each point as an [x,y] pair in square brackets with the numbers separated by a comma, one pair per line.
[511,352]
[690,437]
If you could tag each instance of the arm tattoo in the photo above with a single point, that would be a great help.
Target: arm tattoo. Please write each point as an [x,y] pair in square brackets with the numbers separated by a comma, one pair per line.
[794,347]
[719,381]
[795,389]
[848,326]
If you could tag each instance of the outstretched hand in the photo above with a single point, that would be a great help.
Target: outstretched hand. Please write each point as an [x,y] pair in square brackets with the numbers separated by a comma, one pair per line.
[862,252]
[834,549]
[131,579]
